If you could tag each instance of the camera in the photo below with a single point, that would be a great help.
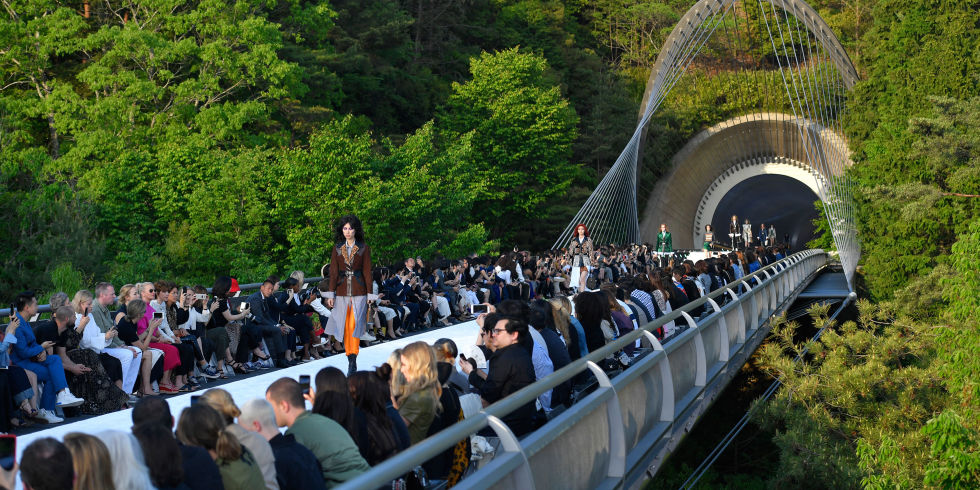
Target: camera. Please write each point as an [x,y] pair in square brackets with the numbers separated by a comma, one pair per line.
[306,293]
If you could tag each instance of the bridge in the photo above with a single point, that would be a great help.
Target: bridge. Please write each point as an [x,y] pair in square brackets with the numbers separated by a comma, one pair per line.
[620,433]
[780,114]
[794,74]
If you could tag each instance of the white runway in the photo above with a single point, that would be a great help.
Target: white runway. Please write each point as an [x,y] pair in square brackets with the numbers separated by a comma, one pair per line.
[464,335]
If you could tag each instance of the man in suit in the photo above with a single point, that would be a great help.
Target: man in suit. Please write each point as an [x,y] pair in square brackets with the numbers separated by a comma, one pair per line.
[265,323]
[664,241]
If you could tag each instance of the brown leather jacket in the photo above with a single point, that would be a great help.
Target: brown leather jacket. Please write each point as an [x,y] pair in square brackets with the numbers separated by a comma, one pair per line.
[357,268]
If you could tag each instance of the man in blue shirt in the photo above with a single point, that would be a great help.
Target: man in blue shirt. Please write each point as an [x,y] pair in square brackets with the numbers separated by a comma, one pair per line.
[28,354]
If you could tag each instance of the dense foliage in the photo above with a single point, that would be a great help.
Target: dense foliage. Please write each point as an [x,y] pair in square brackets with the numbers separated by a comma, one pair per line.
[891,400]
[190,138]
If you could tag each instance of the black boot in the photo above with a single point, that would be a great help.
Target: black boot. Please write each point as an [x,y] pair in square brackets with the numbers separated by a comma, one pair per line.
[351,364]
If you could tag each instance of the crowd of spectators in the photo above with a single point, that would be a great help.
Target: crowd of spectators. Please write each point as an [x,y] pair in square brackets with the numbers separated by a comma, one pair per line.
[165,339]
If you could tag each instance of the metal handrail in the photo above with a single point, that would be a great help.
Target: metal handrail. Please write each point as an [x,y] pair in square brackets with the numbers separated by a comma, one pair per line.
[403,462]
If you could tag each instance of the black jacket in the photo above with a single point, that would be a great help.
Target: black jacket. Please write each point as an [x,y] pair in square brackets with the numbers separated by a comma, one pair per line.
[562,394]
[510,369]
[200,471]
[296,466]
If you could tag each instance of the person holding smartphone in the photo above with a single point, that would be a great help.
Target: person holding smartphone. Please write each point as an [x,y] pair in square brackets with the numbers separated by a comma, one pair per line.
[30,355]
[350,268]
[21,388]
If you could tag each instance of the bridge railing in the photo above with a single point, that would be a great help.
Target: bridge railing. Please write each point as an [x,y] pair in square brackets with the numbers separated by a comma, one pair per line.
[612,436]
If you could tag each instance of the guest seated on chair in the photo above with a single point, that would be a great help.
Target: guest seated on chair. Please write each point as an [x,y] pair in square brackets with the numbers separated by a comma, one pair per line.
[30,355]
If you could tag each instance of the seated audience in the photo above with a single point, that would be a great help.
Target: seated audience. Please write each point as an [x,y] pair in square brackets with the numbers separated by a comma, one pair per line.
[90,460]
[510,369]
[370,394]
[384,382]
[162,454]
[171,382]
[296,466]
[200,471]
[590,310]
[129,469]
[332,400]
[202,426]
[44,465]
[339,457]
[221,401]
[18,386]
[102,338]
[419,401]
[30,355]
[85,372]
[446,353]
[542,321]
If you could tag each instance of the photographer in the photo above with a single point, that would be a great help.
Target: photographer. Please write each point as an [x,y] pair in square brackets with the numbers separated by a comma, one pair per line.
[297,304]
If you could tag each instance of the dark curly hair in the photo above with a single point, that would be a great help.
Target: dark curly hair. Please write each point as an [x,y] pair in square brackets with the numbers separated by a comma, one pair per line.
[338,234]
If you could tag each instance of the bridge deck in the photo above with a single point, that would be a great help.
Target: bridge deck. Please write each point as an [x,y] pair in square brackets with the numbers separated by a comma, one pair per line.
[827,285]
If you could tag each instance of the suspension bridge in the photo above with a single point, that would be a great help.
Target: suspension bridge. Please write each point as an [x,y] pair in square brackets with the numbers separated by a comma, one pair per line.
[792,76]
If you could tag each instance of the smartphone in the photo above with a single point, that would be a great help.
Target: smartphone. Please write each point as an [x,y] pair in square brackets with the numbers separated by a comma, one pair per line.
[481,308]
[202,297]
[195,399]
[304,383]
[157,315]
[13,310]
[8,451]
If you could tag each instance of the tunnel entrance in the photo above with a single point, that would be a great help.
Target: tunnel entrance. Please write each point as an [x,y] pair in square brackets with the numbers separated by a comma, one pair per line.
[776,200]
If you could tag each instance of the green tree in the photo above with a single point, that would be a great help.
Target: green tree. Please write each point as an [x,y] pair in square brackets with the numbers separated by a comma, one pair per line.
[523,133]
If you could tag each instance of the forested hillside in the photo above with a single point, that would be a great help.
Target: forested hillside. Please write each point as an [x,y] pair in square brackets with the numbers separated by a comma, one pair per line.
[190,138]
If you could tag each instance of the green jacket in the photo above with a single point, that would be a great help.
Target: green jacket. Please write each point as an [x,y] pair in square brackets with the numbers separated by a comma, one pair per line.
[103,318]
[240,474]
[339,457]
[664,242]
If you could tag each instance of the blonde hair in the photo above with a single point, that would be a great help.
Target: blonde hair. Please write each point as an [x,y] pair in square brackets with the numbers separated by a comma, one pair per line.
[562,309]
[397,379]
[221,401]
[124,292]
[91,460]
[299,276]
[420,362]
[81,297]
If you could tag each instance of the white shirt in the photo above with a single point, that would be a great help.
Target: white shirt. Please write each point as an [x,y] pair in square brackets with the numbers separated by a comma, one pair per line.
[196,317]
[92,338]
[165,330]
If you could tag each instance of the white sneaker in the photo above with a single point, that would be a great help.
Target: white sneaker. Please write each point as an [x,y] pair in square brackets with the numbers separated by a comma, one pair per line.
[48,417]
[368,337]
[66,399]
